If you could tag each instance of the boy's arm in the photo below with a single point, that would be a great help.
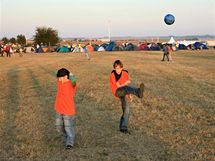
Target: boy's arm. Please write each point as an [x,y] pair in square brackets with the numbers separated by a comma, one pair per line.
[124,84]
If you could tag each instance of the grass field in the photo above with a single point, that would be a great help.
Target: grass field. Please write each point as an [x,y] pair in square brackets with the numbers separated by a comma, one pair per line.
[174,122]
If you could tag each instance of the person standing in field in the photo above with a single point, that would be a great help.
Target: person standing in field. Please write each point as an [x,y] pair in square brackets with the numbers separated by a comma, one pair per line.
[7,49]
[86,52]
[65,107]
[165,52]
[169,48]
[119,84]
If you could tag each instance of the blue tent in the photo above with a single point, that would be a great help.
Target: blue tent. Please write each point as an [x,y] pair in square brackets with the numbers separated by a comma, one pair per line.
[182,47]
[155,47]
[118,48]
[130,47]
[200,45]
[110,46]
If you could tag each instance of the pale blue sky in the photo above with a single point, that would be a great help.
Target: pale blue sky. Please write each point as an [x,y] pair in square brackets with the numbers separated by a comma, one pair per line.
[89,18]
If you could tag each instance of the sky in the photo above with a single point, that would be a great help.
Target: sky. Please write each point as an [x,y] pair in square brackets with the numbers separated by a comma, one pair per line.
[92,18]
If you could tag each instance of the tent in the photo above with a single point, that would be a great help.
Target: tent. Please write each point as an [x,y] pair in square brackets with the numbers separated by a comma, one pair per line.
[171,41]
[29,50]
[143,47]
[182,47]
[200,45]
[77,49]
[96,47]
[101,48]
[45,49]
[110,46]
[118,48]
[39,50]
[154,47]
[130,47]
[63,49]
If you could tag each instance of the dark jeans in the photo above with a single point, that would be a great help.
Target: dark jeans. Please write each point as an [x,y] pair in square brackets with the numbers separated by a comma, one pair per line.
[8,54]
[121,93]
[165,55]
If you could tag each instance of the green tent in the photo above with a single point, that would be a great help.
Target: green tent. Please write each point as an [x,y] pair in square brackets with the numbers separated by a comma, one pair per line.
[63,49]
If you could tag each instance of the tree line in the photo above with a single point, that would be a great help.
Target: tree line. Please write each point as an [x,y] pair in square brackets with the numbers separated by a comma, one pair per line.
[45,35]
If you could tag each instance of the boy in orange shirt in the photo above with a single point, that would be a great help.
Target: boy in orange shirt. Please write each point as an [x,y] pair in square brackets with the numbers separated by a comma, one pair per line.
[119,83]
[65,107]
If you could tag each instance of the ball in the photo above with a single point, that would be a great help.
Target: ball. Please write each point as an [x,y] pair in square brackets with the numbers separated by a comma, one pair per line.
[169,19]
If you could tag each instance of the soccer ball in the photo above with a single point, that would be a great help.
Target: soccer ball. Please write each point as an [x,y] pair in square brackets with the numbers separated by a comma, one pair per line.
[169,19]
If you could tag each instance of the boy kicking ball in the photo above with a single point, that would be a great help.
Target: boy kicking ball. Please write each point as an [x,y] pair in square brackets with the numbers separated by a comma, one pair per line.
[119,83]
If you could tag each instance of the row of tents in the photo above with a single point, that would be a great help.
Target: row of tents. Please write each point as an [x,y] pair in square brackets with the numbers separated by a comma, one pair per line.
[113,46]
[188,44]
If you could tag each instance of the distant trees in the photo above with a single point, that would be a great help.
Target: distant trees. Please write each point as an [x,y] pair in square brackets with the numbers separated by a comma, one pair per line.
[5,40]
[21,39]
[46,35]
[12,40]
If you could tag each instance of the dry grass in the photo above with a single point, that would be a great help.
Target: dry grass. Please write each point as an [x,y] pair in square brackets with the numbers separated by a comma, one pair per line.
[175,121]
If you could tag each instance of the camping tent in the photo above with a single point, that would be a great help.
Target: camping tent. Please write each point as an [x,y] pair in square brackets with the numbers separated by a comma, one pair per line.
[63,49]
[101,48]
[110,46]
[29,50]
[154,46]
[143,47]
[118,48]
[200,45]
[171,41]
[78,49]
[130,47]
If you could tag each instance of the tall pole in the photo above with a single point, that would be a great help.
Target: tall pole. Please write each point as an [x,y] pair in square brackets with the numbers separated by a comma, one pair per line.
[109,30]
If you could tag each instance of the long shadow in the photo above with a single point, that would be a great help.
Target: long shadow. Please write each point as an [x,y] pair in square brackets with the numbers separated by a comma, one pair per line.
[50,72]
[47,113]
[11,109]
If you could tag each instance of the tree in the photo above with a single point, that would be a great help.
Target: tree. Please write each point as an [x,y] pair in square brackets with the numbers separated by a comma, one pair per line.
[21,40]
[46,36]
[13,40]
[5,40]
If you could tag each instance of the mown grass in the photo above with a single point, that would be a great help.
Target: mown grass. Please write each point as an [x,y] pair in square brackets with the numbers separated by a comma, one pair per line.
[175,120]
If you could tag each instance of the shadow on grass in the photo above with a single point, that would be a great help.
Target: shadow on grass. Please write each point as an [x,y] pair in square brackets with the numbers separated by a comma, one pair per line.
[45,106]
[11,110]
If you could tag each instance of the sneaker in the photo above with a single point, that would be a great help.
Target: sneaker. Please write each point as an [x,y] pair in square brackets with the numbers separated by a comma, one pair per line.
[125,131]
[68,147]
[141,90]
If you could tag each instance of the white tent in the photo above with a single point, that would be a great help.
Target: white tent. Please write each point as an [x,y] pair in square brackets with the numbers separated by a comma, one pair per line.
[171,41]
[186,42]
[30,50]
[101,48]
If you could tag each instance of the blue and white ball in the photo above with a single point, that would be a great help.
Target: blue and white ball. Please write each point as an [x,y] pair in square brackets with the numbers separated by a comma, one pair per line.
[169,19]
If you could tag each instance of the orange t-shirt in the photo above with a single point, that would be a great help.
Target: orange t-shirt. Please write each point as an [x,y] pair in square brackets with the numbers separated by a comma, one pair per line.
[123,78]
[64,103]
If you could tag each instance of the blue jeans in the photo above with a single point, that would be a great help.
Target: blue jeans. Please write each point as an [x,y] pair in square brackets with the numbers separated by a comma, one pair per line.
[66,124]
[121,93]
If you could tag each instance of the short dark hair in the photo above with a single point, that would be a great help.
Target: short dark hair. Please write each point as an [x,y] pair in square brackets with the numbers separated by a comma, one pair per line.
[62,72]
[117,63]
